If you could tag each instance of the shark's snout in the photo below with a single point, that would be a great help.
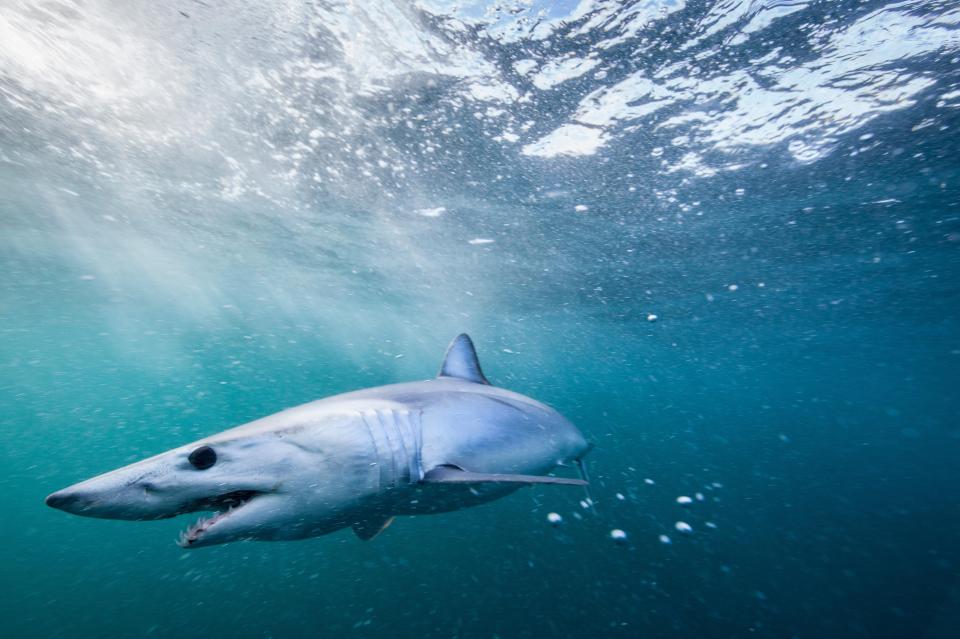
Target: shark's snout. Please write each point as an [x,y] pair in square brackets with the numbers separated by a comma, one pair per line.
[121,494]
[89,502]
[183,481]
[72,501]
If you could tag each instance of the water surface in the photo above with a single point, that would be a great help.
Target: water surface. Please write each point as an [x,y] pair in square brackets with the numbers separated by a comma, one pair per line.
[213,211]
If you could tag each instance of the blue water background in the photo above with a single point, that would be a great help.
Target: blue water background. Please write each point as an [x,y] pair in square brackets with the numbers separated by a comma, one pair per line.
[801,374]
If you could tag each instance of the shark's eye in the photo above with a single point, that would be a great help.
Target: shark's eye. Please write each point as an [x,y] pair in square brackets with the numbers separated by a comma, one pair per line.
[203,458]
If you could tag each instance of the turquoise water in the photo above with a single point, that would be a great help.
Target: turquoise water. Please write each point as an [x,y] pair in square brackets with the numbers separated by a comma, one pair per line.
[212,213]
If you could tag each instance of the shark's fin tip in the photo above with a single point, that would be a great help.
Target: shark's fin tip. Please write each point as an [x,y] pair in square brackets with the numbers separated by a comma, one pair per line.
[461,361]
[370,528]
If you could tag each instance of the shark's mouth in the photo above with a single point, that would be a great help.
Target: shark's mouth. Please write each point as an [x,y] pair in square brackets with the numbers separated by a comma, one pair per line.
[223,506]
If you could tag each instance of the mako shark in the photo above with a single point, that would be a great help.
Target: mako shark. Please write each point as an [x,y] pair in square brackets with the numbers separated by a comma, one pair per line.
[357,459]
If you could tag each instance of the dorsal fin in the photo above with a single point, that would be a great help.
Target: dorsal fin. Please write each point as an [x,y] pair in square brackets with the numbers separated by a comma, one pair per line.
[461,361]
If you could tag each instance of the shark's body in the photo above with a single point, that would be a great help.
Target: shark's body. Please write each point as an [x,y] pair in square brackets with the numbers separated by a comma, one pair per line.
[356,459]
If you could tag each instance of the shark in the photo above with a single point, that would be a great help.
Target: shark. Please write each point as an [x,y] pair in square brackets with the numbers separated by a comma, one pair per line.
[357,460]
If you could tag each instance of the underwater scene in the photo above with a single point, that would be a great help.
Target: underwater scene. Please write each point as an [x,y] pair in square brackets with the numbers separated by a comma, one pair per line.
[657,303]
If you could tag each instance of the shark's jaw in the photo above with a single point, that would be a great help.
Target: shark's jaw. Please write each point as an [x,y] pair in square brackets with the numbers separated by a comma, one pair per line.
[223,507]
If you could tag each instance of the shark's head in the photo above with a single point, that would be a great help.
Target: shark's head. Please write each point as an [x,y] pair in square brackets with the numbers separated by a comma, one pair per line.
[258,486]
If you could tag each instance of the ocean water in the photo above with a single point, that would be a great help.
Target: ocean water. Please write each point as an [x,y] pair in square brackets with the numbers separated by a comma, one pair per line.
[723,238]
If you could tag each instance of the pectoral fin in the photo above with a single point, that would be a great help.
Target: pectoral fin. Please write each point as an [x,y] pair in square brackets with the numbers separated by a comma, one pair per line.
[370,528]
[454,475]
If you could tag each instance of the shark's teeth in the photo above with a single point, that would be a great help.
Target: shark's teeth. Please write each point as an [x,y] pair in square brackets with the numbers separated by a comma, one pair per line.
[191,534]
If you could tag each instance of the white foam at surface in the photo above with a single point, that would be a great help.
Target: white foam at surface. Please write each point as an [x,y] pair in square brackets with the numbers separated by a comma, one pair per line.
[627,23]
[856,73]
[569,139]
[557,72]
[436,211]
[525,66]
[806,105]
[758,14]
[173,109]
